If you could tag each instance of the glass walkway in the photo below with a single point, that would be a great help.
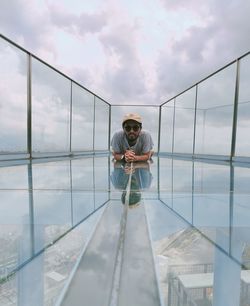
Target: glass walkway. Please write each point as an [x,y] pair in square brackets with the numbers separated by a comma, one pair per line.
[78,228]
[91,231]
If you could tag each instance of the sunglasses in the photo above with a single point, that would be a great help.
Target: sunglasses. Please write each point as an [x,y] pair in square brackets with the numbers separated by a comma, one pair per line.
[135,128]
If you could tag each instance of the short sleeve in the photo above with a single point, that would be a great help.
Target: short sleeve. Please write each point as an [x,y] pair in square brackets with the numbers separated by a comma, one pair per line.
[115,143]
[147,143]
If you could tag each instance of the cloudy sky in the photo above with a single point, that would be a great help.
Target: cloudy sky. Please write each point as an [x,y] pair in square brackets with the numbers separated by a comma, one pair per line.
[131,52]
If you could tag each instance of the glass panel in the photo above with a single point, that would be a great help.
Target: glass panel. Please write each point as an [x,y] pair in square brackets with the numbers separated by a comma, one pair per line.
[13,99]
[243,124]
[149,178]
[192,270]
[83,174]
[51,269]
[50,109]
[83,200]
[241,213]
[166,180]
[32,197]
[49,223]
[15,221]
[184,122]
[82,119]
[44,175]
[14,177]
[192,259]
[101,180]
[182,188]
[150,119]
[214,116]
[101,125]
[167,117]
[52,193]
[211,201]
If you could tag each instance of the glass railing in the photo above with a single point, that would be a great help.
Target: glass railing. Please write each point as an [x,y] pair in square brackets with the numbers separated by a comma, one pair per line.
[210,119]
[44,112]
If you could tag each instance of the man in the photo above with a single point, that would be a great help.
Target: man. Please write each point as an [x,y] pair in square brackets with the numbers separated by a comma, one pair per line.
[132,144]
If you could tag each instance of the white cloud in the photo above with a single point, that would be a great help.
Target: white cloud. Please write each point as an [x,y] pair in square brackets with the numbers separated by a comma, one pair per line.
[203,49]
[124,76]
[27,24]
[131,52]
[76,23]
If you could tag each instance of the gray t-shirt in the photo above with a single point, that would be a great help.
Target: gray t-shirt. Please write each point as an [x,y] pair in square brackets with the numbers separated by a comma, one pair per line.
[143,144]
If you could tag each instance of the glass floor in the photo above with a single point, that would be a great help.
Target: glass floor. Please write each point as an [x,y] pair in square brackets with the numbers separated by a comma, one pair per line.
[61,223]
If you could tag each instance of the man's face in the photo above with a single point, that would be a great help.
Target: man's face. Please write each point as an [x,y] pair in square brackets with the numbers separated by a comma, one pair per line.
[132,129]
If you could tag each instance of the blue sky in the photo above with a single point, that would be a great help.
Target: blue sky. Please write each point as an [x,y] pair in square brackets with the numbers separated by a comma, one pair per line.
[130,52]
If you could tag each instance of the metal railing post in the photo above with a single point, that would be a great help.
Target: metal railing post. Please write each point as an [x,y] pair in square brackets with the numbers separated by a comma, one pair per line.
[94,126]
[109,136]
[70,117]
[159,131]
[173,129]
[29,105]
[195,111]
[235,112]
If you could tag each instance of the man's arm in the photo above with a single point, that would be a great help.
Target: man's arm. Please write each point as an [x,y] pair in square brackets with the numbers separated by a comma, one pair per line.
[143,157]
[118,156]
[130,156]
[117,147]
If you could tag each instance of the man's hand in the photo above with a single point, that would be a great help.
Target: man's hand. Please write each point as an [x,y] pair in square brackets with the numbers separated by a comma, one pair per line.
[129,156]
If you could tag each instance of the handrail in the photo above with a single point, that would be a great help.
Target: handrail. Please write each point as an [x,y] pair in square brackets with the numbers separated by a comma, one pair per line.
[207,77]
[50,66]
[77,83]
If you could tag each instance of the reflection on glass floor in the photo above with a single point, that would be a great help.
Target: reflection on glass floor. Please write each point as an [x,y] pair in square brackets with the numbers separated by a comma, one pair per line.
[193,215]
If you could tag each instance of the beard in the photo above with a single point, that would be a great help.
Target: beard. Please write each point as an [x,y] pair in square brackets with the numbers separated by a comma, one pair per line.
[132,136]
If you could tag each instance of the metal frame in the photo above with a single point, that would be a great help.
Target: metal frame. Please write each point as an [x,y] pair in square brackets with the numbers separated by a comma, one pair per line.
[235,111]
[195,109]
[70,118]
[29,105]
[136,105]
[109,136]
[173,129]
[31,210]
[94,125]
[159,130]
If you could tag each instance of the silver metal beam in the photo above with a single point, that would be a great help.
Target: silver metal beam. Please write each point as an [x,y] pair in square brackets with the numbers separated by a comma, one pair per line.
[29,105]
[235,113]
[94,125]
[195,109]
[70,118]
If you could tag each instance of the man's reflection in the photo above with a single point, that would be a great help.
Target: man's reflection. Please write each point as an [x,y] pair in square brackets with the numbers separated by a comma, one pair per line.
[141,178]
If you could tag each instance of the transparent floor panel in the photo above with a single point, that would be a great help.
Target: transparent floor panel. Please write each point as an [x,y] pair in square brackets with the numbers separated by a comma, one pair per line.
[197,214]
